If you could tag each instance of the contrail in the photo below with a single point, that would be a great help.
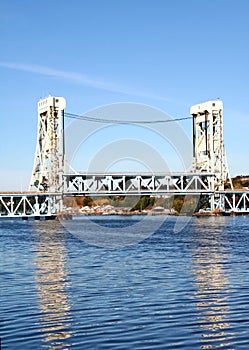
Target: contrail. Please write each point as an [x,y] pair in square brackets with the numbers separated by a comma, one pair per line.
[79,78]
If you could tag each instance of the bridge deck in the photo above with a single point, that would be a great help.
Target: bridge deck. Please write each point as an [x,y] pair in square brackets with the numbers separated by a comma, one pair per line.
[28,204]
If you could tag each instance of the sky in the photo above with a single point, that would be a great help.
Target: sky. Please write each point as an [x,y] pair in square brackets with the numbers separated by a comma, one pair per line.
[165,54]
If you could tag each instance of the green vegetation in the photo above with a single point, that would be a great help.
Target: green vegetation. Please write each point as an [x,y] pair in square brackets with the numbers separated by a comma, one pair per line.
[145,202]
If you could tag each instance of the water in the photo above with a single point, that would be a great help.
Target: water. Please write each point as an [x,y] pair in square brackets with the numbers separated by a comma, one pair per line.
[185,290]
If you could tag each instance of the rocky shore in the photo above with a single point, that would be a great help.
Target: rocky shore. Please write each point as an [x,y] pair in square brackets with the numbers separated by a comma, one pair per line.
[111,210]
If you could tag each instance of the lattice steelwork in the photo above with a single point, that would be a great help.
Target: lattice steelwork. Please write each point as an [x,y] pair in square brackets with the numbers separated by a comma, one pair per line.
[49,156]
[208,144]
[132,184]
[28,205]
[231,202]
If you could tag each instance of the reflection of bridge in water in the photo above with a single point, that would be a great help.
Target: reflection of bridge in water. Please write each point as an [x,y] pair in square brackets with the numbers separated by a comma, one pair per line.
[212,285]
[51,284]
[49,182]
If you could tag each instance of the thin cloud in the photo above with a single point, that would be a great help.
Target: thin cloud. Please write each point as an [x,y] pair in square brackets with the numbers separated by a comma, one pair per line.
[78,78]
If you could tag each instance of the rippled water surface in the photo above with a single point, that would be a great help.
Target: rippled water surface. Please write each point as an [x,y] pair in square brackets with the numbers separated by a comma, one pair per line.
[174,290]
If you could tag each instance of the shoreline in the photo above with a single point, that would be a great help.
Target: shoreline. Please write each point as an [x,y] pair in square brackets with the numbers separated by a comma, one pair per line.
[70,216]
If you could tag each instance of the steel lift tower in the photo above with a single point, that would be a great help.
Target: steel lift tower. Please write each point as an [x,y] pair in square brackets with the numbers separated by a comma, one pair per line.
[49,156]
[208,144]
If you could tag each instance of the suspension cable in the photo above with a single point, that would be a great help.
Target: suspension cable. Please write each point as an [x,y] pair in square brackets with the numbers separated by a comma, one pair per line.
[116,121]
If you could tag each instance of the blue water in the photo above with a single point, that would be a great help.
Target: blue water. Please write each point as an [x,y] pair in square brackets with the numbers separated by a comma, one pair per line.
[182,290]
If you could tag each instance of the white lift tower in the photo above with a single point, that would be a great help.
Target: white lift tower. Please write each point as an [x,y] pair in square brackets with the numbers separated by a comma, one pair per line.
[49,156]
[208,144]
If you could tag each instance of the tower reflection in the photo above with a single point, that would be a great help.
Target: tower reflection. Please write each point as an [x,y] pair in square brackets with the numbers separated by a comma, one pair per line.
[51,287]
[212,285]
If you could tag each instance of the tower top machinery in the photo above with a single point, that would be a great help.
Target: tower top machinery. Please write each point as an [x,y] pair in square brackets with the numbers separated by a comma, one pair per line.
[208,143]
[48,166]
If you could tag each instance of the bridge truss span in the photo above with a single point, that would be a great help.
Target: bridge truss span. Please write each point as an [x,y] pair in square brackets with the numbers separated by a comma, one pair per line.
[138,184]
[29,205]
[229,202]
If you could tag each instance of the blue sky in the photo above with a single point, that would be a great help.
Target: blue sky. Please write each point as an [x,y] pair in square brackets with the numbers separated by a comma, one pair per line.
[167,54]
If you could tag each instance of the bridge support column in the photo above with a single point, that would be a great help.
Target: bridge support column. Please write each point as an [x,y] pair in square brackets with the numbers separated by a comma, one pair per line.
[208,143]
[48,166]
